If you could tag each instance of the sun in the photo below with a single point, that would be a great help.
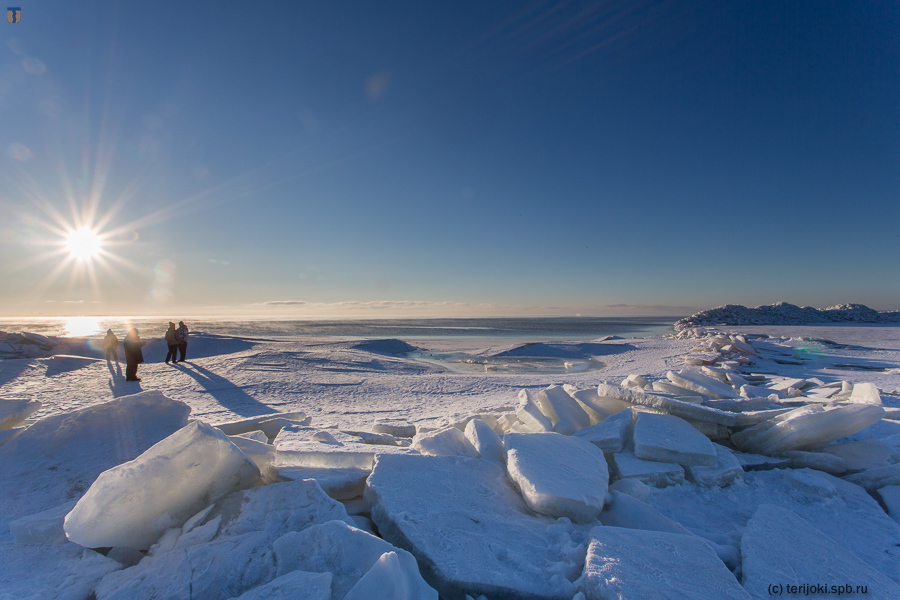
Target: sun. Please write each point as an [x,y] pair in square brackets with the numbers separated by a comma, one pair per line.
[83,244]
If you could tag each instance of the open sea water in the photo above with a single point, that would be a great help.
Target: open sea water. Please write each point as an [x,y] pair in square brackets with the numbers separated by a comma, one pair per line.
[513,328]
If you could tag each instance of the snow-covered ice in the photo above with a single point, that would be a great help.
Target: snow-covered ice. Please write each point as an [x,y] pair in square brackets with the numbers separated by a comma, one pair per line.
[348,554]
[559,476]
[667,438]
[482,540]
[335,407]
[630,563]
[780,548]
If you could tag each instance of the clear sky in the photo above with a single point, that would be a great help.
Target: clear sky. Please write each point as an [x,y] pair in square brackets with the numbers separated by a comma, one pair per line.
[465,157]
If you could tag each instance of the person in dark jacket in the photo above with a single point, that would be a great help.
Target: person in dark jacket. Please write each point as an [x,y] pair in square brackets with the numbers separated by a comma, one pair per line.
[172,342]
[182,333]
[133,354]
[111,345]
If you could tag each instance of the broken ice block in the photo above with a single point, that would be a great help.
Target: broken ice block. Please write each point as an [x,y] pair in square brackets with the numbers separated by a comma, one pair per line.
[269,424]
[610,434]
[389,579]
[679,408]
[873,479]
[806,427]
[217,570]
[726,471]
[340,484]
[485,441]
[449,441]
[529,413]
[634,563]
[820,461]
[347,553]
[666,438]
[562,410]
[703,384]
[483,540]
[865,393]
[864,454]
[657,474]
[558,475]
[596,407]
[45,527]
[299,446]
[394,427]
[131,505]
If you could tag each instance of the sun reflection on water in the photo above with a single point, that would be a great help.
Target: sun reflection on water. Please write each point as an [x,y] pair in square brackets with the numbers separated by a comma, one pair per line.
[81,326]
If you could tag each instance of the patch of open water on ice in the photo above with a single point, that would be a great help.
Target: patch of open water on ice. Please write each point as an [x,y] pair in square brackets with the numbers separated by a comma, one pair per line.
[461,362]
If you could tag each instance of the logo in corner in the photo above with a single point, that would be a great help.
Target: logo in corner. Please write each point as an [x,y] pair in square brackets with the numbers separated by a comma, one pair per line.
[14,14]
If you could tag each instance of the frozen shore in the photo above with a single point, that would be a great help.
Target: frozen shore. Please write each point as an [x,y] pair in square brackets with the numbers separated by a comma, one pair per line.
[790,433]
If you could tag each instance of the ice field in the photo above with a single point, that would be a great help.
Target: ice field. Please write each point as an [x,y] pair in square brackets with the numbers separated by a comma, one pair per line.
[715,463]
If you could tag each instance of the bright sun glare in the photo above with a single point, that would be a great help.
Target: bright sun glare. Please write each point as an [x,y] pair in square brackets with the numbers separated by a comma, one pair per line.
[83,244]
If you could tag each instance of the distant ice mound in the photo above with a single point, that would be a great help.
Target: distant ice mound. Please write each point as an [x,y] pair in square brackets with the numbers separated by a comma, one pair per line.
[783,313]
[390,347]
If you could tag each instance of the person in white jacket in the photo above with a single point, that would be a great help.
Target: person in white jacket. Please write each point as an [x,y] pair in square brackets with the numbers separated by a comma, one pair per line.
[182,335]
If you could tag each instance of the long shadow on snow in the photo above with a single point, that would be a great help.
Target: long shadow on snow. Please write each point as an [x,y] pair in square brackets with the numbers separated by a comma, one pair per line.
[229,395]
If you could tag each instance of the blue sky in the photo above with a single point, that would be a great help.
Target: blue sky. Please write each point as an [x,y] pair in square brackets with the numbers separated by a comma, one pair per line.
[449,158]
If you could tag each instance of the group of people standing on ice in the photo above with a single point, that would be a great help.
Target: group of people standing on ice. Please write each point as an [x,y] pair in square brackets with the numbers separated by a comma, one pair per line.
[176,339]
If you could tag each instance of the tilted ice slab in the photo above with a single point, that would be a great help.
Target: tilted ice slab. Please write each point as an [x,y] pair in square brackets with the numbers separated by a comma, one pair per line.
[667,438]
[133,504]
[806,427]
[56,459]
[348,554]
[269,424]
[483,540]
[686,410]
[485,441]
[701,383]
[558,475]
[261,453]
[610,434]
[529,413]
[218,570]
[843,511]
[300,446]
[13,411]
[296,585]
[779,547]
[562,409]
[633,563]
[597,407]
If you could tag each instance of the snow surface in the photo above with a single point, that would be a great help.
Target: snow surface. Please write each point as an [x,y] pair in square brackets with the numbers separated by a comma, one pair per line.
[467,529]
